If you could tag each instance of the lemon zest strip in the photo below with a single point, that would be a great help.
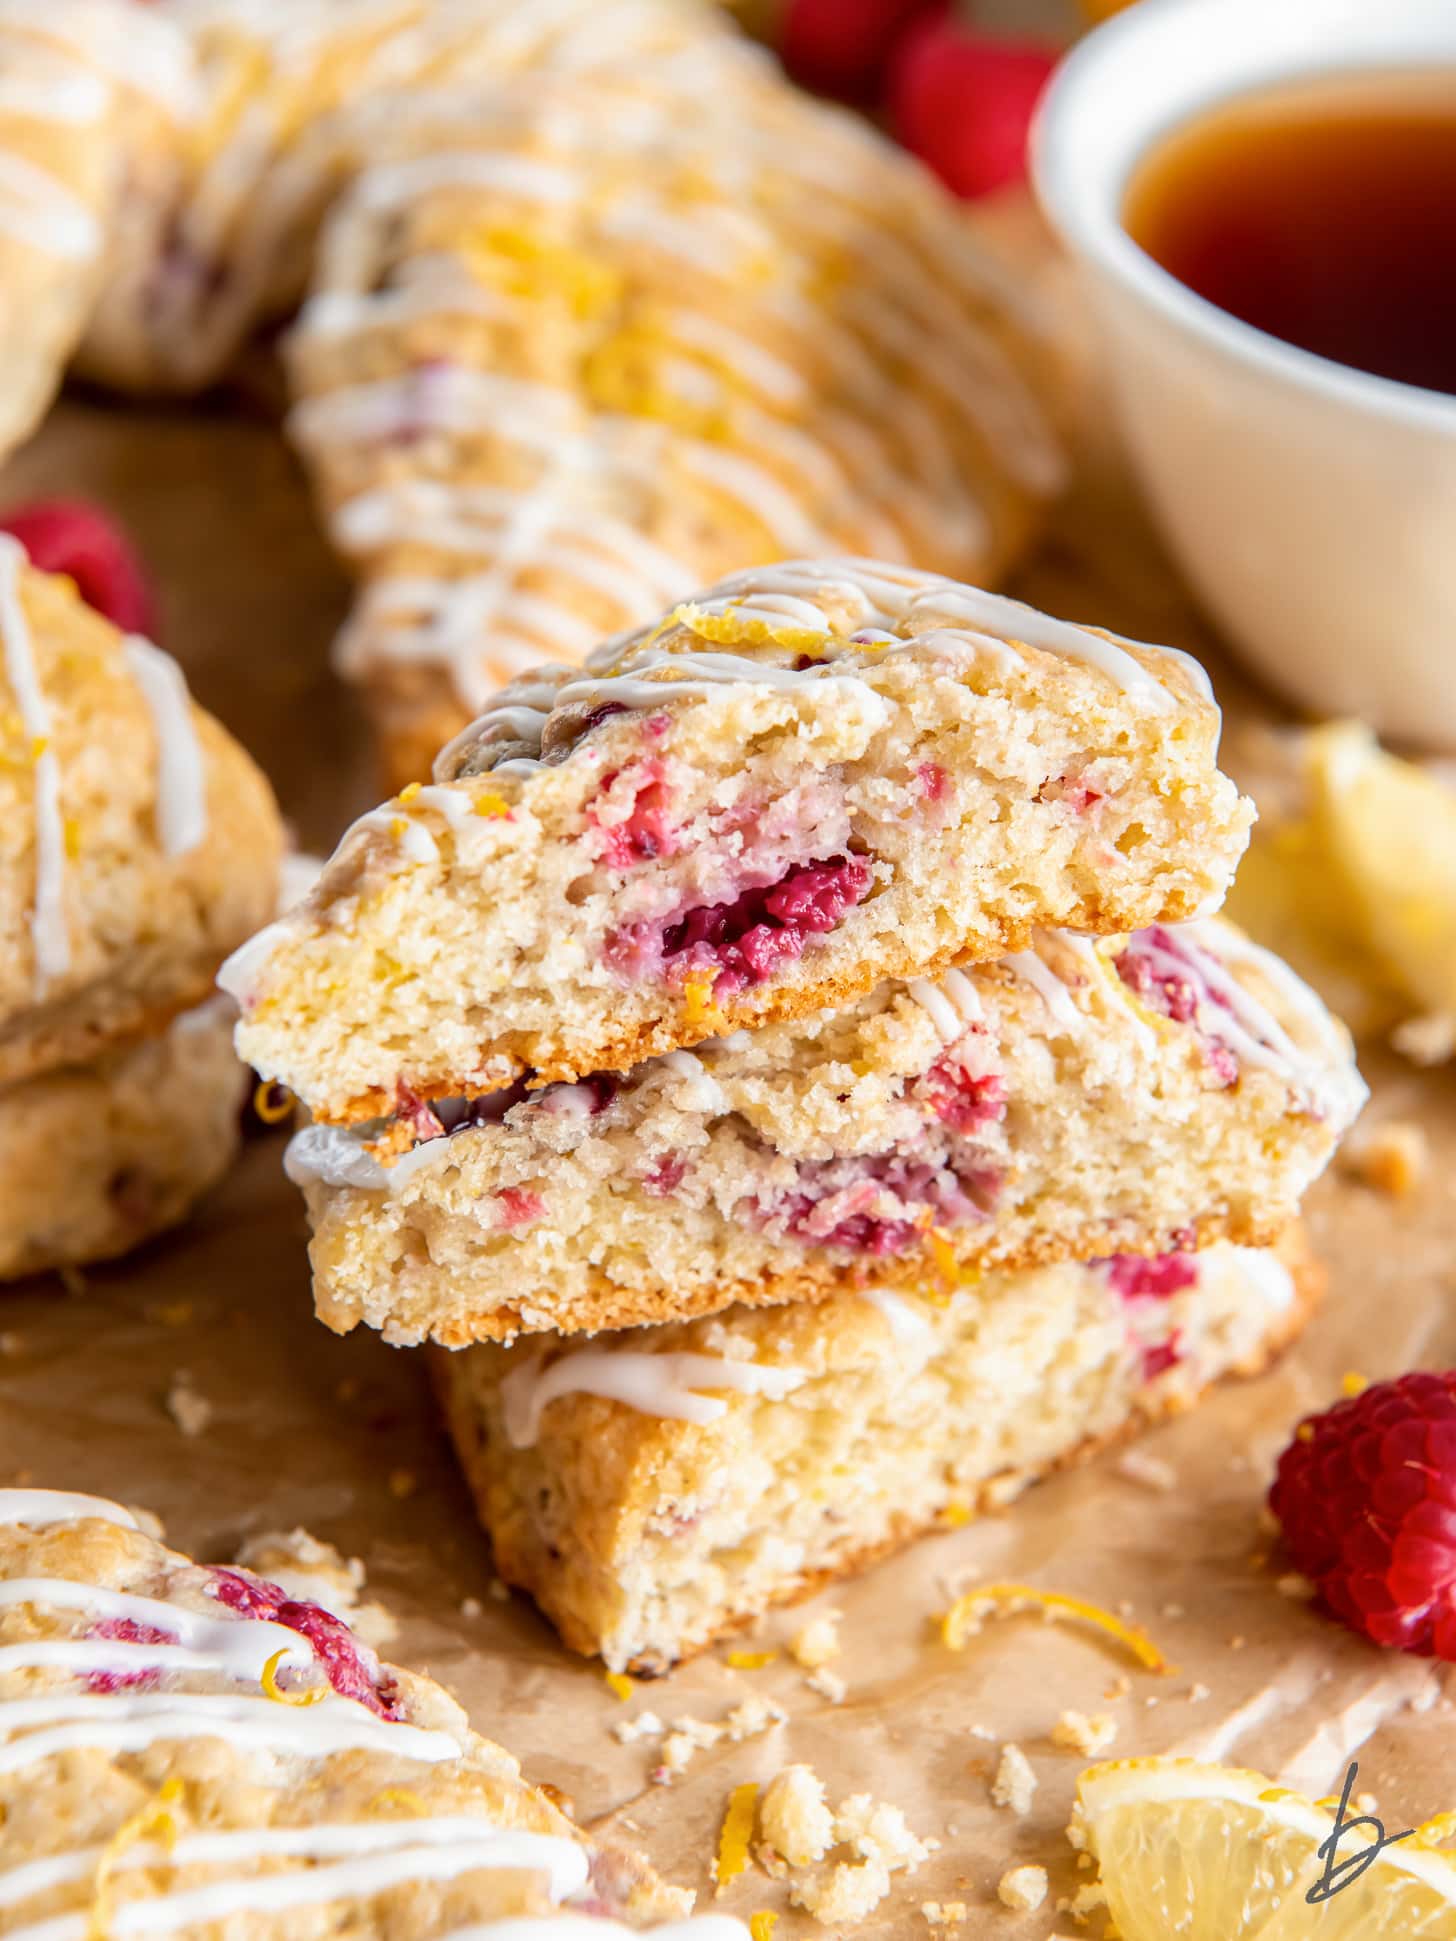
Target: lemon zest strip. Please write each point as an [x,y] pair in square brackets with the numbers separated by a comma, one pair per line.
[762,1924]
[965,1617]
[153,1817]
[268,1679]
[620,1683]
[732,1856]
[272,1103]
[402,1796]
[750,1660]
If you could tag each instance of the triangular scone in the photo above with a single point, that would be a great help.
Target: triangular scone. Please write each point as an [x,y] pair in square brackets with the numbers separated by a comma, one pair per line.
[1136,1095]
[815,776]
[189,1749]
[138,842]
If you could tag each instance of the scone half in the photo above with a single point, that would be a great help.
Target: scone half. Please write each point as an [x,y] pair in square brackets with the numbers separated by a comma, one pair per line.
[814,777]
[1130,1095]
[656,1489]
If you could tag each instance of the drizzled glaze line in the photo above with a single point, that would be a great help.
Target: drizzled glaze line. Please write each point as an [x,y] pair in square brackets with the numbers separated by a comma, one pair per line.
[181,776]
[48,931]
[653,1384]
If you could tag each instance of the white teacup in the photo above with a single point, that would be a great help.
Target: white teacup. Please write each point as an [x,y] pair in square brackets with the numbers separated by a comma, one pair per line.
[1312,506]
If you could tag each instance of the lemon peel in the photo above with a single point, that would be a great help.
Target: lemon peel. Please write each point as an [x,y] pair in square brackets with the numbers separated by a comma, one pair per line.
[491,804]
[943,1254]
[272,1103]
[155,1818]
[268,1679]
[762,1924]
[738,1819]
[402,1796]
[965,1617]
[698,1006]
[750,1660]
[620,1683]
[730,629]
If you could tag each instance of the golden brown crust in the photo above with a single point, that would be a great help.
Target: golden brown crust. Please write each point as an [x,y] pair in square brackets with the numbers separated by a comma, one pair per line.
[819,1279]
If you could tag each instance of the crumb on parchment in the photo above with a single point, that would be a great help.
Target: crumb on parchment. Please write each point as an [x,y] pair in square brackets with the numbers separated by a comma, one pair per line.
[1091,1736]
[1022,1888]
[1394,1158]
[190,1411]
[1015,1782]
[818,1643]
[798,1829]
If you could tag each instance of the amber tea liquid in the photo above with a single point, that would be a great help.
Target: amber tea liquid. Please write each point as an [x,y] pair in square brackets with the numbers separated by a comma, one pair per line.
[1323,213]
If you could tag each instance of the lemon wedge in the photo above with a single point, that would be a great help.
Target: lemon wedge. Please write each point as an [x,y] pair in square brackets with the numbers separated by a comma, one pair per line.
[1211,1853]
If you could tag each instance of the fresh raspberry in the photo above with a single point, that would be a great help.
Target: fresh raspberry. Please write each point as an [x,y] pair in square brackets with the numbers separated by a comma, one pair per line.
[841,47]
[68,536]
[1366,1493]
[963,102]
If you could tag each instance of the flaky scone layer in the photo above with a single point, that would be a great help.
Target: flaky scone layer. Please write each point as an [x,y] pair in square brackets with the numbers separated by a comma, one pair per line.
[1078,1099]
[655,1489]
[814,777]
[190,1748]
[139,843]
[95,1159]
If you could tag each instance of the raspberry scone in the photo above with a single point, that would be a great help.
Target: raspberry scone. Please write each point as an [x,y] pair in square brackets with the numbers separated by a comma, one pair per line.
[141,843]
[577,348]
[92,92]
[145,1131]
[192,1749]
[1128,1096]
[814,776]
[657,1488]
[291,101]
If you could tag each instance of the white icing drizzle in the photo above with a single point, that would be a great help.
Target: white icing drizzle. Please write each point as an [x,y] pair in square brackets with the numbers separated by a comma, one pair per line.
[1264,1270]
[563,1860]
[704,1093]
[569,1926]
[39,1509]
[938,1008]
[338,1156]
[48,931]
[652,1384]
[181,774]
[41,212]
[137,47]
[239,974]
[358,1878]
[48,87]
[1048,986]
[1229,1011]
[905,1320]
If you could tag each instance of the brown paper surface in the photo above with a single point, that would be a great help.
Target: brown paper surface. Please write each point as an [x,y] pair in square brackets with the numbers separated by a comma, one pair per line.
[339,1435]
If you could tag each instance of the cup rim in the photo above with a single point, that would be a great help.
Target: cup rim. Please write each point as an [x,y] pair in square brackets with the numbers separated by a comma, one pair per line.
[1083,207]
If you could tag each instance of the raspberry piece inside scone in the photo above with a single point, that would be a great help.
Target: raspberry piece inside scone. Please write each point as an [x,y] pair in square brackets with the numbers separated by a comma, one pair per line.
[1034,1109]
[816,776]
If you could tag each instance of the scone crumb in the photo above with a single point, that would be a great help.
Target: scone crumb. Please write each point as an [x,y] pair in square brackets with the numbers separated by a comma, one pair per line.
[1137,1466]
[646,1725]
[828,1684]
[190,1411]
[1015,1782]
[795,1821]
[846,1894]
[818,1643]
[1022,1888]
[316,1572]
[1394,1158]
[1090,1736]
[402,1484]
[944,1914]
[498,1592]
[1427,1040]
[1292,1585]
[471,1608]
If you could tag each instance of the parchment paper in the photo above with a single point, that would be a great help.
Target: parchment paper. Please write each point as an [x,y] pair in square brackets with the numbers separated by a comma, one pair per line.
[338,1435]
